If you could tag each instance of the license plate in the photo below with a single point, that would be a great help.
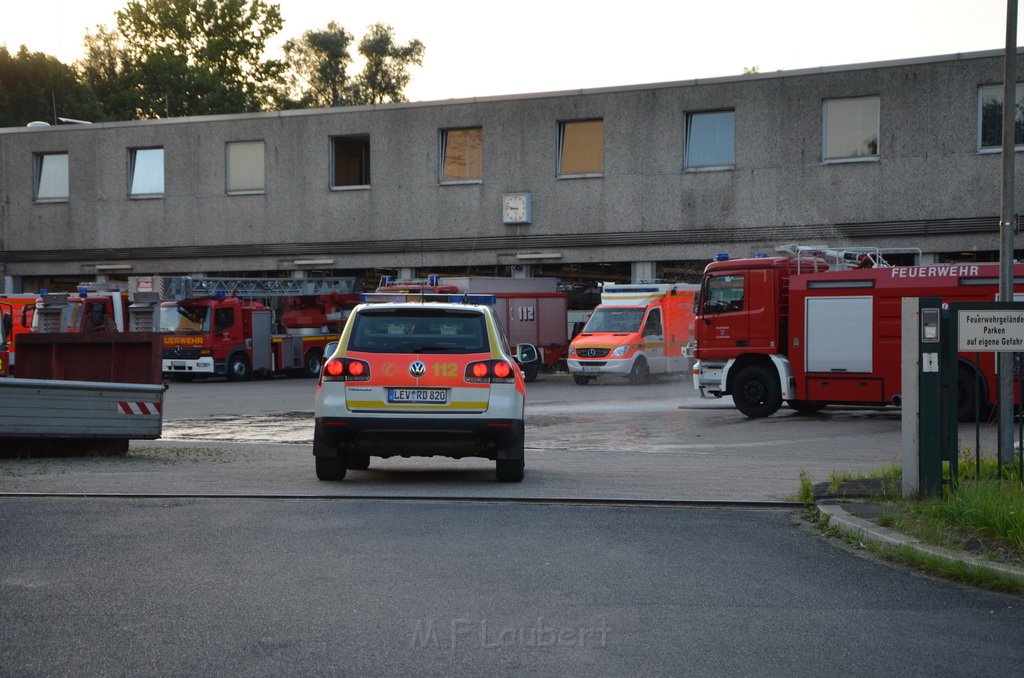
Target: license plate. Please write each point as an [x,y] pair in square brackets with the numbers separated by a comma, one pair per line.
[431,396]
[590,368]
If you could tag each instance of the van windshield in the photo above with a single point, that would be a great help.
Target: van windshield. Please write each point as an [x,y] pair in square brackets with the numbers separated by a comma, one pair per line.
[615,320]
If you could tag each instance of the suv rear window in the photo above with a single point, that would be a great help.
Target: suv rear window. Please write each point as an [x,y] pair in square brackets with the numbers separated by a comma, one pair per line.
[414,331]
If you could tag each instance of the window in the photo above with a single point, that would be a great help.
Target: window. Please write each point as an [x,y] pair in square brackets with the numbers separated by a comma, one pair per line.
[246,173]
[581,148]
[990,118]
[427,331]
[51,177]
[350,161]
[652,327]
[462,155]
[224,318]
[723,294]
[710,140]
[146,172]
[850,129]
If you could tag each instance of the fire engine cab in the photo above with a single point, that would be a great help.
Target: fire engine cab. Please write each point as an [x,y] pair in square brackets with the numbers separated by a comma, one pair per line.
[816,326]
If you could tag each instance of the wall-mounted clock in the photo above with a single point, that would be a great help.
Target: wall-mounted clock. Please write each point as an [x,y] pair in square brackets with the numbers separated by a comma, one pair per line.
[517,208]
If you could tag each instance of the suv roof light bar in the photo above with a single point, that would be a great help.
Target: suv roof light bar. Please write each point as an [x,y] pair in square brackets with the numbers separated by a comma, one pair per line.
[397,297]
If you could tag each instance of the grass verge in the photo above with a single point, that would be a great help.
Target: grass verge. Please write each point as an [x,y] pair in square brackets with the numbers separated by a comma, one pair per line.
[982,516]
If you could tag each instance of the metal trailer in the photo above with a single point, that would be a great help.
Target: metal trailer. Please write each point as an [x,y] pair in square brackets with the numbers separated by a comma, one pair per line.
[62,416]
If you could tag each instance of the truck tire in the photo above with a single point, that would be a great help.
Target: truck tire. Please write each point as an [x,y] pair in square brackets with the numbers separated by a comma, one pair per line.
[641,372]
[531,370]
[314,359]
[967,394]
[330,468]
[756,392]
[238,368]
[581,380]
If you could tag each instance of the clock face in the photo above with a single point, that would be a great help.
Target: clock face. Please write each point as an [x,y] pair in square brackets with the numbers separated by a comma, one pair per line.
[516,208]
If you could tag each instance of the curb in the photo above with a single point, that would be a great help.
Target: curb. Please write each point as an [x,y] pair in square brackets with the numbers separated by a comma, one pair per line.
[865,530]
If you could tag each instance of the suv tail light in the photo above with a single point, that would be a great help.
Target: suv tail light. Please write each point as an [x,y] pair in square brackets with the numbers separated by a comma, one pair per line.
[490,372]
[346,369]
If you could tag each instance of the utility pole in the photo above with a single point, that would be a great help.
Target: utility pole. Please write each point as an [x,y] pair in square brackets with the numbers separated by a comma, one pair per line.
[1007,226]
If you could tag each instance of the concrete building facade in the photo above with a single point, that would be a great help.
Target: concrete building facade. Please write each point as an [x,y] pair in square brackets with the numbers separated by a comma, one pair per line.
[889,154]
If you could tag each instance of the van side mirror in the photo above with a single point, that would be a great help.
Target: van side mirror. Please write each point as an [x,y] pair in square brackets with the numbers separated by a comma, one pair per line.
[526,353]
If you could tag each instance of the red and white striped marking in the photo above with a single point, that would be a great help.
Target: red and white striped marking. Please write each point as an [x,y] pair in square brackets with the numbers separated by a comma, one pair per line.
[133,407]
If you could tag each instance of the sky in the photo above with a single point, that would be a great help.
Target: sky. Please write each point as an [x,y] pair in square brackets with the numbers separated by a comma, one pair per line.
[476,48]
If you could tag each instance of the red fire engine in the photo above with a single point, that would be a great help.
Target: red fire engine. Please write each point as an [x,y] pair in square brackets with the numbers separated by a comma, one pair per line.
[220,326]
[821,326]
[531,310]
[97,306]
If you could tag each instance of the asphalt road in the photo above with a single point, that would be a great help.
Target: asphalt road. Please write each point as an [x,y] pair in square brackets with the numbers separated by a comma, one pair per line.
[267,587]
[606,440]
[217,552]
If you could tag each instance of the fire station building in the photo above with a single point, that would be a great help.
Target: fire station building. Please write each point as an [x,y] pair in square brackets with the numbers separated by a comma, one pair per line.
[637,182]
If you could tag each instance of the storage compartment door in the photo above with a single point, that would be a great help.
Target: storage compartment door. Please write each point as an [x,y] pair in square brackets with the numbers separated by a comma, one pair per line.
[839,334]
[261,327]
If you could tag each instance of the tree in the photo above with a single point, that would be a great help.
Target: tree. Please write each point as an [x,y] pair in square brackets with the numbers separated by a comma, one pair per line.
[319,63]
[386,73]
[204,57]
[36,86]
[105,70]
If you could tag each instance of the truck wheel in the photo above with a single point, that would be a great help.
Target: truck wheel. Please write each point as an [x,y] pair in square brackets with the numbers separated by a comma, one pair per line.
[330,468]
[966,394]
[581,380]
[641,372]
[805,406]
[238,368]
[530,370]
[756,392]
[314,358]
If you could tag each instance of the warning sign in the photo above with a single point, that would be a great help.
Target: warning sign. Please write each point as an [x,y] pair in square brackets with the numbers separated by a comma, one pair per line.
[989,331]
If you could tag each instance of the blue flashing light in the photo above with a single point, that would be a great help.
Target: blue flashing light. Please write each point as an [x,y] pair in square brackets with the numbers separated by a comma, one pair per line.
[44,290]
[83,292]
[220,294]
[760,255]
[433,280]
[489,299]
[386,281]
[722,256]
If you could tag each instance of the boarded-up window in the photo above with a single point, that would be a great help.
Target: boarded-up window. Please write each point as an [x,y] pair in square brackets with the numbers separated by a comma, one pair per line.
[350,162]
[462,154]
[581,147]
[246,173]
[850,129]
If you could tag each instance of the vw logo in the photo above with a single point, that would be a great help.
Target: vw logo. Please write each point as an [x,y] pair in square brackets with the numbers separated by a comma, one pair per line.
[417,369]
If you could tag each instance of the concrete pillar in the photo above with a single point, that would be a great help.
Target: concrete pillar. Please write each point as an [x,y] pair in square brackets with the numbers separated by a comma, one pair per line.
[643,271]
[406,273]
